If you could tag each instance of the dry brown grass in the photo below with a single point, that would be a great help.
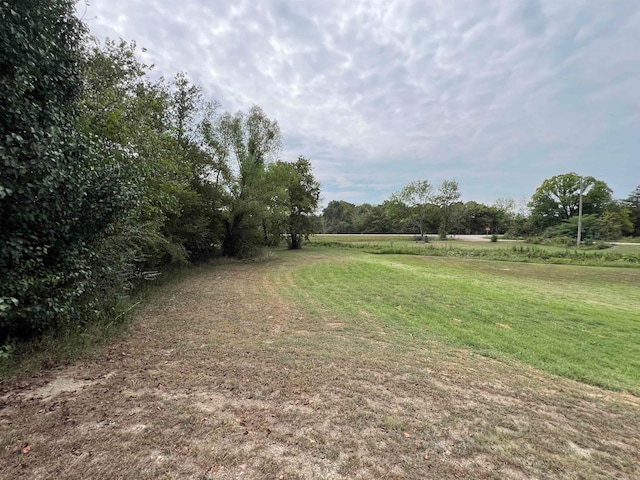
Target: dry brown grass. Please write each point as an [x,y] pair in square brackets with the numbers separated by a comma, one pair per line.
[223,378]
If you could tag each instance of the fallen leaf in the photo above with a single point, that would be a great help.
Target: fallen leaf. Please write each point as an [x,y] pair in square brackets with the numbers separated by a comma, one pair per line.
[26,449]
[406,435]
[503,325]
[457,320]
[215,469]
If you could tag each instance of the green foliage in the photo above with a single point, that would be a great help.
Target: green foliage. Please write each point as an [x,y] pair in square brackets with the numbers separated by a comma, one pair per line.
[504,216]
[57,183]
[245,142]
[557,199]
[447,196]
[427,206]
[474,218]
[418,197]
[109,177]
[160,127]
[6,351]
[612,225]
[632,202]
[388,217]
[339,217]
[569,228]
[295,199]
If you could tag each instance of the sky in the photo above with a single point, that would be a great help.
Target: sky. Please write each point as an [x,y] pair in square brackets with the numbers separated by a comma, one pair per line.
[495,94]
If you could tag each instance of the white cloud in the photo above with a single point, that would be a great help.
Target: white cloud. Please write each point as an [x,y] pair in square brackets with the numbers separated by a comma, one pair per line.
[378,93]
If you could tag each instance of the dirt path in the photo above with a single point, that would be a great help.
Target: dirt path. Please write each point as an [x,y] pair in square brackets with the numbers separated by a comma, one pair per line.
[223,378]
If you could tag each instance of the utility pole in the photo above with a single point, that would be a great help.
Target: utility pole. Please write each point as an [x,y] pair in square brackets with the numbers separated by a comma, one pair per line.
[580,215]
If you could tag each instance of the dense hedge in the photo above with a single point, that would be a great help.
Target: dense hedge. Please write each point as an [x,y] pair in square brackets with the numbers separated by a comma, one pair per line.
[47,215]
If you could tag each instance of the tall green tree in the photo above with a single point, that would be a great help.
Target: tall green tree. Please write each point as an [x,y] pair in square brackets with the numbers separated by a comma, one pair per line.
[339,217]
[388,217]
[197,222]
[633,203]
[295,199]
[128,117]
[476,217]
[505,209]
[557,198]
[418,196]
[245,142]
[446,197]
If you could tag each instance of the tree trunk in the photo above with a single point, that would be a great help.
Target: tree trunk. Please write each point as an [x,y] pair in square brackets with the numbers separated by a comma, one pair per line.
[265,232]
[421,227]
[232,235]
[296,242]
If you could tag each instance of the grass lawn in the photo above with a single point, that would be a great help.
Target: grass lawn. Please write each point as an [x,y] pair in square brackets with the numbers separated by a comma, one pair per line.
[579,322]
[331,363]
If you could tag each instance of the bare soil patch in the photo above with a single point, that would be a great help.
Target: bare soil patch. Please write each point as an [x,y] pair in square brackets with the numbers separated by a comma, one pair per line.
[222,377]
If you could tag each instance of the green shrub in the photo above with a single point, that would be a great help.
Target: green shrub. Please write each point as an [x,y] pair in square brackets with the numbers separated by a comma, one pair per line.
[57,188]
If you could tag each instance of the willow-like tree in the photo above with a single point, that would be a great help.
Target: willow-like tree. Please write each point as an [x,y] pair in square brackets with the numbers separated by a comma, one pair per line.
[245,142]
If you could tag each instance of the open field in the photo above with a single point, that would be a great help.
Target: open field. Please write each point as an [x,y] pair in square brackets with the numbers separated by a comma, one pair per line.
[459,241]
[334,363]
[478,246]
[579,322]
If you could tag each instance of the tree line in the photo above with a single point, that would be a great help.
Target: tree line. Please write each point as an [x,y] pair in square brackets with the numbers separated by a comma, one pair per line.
[108,176]
[552,211]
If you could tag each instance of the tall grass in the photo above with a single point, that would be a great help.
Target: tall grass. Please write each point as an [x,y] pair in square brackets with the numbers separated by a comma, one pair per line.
[514,253]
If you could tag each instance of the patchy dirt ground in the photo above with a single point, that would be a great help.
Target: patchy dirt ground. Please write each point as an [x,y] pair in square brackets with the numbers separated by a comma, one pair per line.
[223,378]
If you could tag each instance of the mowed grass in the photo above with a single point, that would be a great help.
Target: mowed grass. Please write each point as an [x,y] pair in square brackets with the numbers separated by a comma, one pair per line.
[579,322]
[308,364]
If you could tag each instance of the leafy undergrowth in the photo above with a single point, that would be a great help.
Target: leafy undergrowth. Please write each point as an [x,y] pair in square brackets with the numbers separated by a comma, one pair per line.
[68,344]
[237,372]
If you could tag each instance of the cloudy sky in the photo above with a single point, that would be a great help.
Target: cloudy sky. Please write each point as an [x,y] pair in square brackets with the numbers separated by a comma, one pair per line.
[496,94]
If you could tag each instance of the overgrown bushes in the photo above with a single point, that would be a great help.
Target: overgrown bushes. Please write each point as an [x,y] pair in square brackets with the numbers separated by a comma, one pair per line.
[55,205]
